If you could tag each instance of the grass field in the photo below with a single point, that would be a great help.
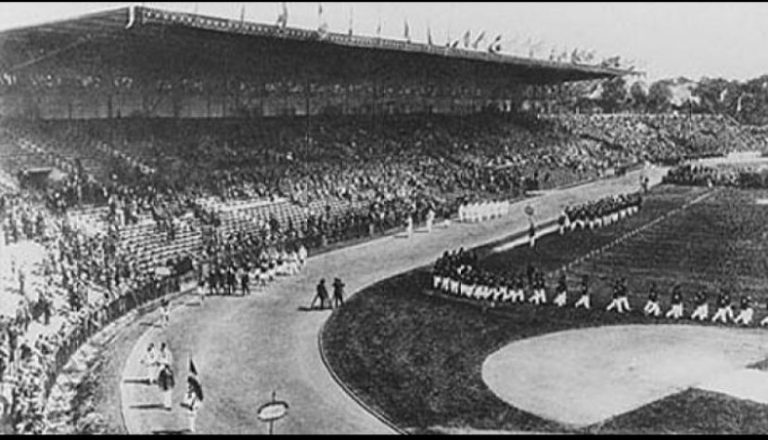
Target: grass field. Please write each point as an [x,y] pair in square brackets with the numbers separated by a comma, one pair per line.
[418,358]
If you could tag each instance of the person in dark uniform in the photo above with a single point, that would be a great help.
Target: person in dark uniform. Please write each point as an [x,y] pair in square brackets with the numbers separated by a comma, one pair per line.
[539,290]
[652,306]
[701,312]
[212,280]
[166,383]
[338,293]
[676,311]
[562,291]
[764,321]
[620,301]
[746,312]
[322,294]
[231,280]
[583,293]
[532,234]
[724,308]
[245,282]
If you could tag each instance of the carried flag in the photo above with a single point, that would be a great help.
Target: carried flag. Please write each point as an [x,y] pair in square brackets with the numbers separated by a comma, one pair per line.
[495,46]
[575,56]
[478,40]
[467,36]
[194,381]
[429,36]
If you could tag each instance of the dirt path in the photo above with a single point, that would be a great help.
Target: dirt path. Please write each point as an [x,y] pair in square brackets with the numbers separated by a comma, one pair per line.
[244,348]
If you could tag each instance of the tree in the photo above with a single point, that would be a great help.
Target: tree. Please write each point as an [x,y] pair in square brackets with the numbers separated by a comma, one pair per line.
[659,96]
[614,97]
[639,96]
[716,95]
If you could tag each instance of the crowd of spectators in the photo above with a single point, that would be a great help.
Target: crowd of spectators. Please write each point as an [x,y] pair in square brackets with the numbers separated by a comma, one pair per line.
[659,138]
[76,285]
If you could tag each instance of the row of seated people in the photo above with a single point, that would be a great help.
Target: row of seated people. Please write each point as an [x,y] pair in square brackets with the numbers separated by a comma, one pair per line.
[458,273]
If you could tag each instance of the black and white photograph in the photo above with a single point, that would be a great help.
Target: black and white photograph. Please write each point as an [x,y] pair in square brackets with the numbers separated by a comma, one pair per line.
[453,218]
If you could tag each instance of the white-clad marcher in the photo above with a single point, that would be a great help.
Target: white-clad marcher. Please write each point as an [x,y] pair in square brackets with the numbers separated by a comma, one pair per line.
[746,312]
[150,363]
[724,310]
[430,219]
[701,313]
[652,305]
[620,301]
[676,311]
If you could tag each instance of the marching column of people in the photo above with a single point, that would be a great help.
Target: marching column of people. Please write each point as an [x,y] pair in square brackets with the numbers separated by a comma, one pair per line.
[599,213]
[474,212]
[457,273]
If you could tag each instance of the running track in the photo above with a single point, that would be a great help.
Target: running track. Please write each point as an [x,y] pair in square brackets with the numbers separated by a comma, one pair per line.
[246,347]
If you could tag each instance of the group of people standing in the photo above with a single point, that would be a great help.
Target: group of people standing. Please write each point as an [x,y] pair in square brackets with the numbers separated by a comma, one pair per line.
[160,371]
[322,295]
[599,213]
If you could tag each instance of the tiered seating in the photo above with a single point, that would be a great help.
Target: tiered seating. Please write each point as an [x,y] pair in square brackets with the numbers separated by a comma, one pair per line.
[662,137]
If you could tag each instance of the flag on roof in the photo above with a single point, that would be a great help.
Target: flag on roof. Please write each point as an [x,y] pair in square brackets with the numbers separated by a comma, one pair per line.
[478,40]
[282,19]
[406,31]
[495,46]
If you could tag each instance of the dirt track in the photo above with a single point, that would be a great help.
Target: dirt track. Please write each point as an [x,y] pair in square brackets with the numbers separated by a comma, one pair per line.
[245,348]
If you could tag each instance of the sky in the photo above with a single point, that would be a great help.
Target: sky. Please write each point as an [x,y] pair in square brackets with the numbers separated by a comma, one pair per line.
[665,40]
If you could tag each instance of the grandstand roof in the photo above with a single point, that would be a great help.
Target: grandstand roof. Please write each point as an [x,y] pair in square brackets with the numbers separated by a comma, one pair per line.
[147,41]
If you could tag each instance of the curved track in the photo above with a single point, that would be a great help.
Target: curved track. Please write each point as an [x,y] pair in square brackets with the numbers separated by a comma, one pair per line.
[244,348]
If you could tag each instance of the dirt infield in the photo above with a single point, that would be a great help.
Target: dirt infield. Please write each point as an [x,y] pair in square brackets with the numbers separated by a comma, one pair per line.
[585,376]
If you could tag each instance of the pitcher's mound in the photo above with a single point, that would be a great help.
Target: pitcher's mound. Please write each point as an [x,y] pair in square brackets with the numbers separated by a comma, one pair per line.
[584,376]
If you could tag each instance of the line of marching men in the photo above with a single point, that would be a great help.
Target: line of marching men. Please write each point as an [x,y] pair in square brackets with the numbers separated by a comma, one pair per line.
[456,273]
[599,213]
[482,211]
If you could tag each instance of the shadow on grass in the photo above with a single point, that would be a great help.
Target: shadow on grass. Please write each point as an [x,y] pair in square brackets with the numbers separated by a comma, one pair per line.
[148,406]
[137,381]
[312,309]
[149,324]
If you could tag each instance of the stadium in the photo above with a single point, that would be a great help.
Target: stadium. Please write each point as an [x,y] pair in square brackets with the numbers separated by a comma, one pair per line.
[174,187]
